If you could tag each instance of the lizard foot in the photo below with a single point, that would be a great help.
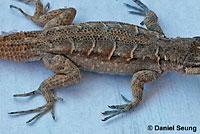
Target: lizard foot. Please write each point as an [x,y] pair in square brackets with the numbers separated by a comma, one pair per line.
[33,2]
[119,109]
[142,11]
[49,106]
[46,7]
[38,4]
[150,18]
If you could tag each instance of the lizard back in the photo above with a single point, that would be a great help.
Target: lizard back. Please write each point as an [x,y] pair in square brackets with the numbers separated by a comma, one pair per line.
[95,46]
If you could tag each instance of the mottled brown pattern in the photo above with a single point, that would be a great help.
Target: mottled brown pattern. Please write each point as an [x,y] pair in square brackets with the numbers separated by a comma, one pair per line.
[19,46]
[102,47]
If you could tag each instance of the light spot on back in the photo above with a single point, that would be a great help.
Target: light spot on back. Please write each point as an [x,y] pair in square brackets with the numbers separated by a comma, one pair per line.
[113,50]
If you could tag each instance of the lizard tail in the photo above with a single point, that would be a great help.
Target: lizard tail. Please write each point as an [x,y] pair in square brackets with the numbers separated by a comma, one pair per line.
[19,46]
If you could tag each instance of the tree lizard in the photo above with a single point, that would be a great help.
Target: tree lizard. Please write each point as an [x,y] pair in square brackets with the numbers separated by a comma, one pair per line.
[102,47]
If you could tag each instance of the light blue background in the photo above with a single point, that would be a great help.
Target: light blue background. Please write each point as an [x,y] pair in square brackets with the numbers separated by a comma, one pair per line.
[171,100]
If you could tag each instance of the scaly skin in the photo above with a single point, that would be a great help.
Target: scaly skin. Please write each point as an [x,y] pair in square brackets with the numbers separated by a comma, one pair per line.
[102,47]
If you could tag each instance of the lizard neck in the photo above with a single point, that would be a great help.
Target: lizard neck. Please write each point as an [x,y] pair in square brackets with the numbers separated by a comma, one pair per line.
[175,54]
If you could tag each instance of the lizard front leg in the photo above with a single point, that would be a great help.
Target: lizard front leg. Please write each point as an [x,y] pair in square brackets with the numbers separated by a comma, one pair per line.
[150,20]
[66,74]
[137,85]
[42,17]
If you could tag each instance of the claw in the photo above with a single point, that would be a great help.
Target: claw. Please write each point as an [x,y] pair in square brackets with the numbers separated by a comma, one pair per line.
[12,6]
[58,98]
[106,118]
[142,23]
[112,107]
[120,109]
[132,7]
[113,113]
[109,112]
[125,99]
[52,113]
[20,10]
[27,94]
[46,106]
[29,111]
[42,109]
[47,7]
[118,106]
[38,115]
[137,11]
[140,4]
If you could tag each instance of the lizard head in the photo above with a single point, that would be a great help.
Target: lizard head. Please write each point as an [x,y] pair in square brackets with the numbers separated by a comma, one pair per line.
[192,60]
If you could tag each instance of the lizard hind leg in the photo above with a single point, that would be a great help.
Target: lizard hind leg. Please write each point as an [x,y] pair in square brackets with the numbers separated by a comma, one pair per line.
[150,20]
[66,74]
[137,85]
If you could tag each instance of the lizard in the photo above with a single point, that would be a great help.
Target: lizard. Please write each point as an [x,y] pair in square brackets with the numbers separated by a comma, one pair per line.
[103,47]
